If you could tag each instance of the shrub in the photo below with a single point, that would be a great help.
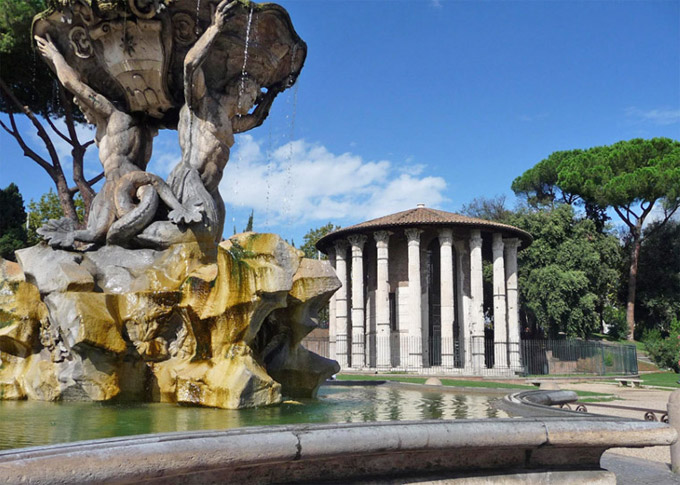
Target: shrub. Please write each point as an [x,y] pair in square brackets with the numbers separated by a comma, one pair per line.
[615,318]
[664,352]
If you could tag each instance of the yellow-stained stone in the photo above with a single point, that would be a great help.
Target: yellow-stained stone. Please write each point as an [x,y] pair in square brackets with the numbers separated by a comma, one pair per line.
[88,319]
[189,331]
[21,314]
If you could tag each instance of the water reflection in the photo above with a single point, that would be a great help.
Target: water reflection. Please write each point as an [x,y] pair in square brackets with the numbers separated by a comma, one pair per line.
[31,423]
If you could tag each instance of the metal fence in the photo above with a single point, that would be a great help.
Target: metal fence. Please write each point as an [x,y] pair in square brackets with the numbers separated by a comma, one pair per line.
[400,352]
[546,356]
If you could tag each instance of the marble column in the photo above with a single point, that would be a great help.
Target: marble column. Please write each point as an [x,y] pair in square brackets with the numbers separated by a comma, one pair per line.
[500,329]
[510,249]
[332,321]
[463,298]
[358,314]
[447,306]
[477,300]
[415,327]
[341,323]
[382,301]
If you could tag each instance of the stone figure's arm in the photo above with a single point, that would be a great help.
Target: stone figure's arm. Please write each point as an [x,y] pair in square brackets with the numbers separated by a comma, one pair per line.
[194,80]
[71,80]
[240,124]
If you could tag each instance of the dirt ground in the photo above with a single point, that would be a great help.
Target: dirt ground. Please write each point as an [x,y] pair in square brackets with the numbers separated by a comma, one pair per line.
[648,398]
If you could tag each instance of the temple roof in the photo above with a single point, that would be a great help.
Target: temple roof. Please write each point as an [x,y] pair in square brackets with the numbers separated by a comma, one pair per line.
[424,216]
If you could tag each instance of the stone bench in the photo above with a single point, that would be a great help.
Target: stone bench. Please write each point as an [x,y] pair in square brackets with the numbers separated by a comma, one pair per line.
[623,381]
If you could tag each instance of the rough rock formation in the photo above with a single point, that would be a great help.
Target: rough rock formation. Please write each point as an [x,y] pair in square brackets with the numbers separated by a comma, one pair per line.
[177,325]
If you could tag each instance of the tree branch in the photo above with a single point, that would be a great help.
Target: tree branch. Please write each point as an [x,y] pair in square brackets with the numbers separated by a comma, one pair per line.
[58,132]
[96,179]
[624,218]
[44,136]
[27,150]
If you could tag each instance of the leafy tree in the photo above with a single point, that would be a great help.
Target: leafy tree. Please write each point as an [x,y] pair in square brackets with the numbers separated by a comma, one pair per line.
[489,208]
[249,225]
[539,185]
[46,208]
[658,284]
[12,222]
[569,274]
[309,248]
[631,177]
[311,238]
[28,88]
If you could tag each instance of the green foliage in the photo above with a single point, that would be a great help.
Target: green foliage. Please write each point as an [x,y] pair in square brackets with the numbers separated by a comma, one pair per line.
[615,318]
[664,352]
[12,221]
[539,183]
[312,236]
[631,177]
[568,274]
[46,208]
[488,208]
[658,279]
[625,173]
[20,65]
[249,225]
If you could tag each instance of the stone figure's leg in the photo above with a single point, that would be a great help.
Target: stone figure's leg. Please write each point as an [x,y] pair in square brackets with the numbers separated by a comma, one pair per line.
[134,221]
[63,234]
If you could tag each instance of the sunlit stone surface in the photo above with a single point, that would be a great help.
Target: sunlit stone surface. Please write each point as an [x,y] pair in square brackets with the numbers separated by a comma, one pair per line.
[174,329]
[144,302]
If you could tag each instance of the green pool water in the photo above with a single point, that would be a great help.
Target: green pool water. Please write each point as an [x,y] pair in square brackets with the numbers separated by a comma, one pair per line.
[33,423]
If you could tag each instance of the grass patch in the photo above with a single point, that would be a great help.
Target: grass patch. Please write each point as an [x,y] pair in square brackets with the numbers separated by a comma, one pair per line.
[601,399]
[638,345]
[590,394]
[661,379]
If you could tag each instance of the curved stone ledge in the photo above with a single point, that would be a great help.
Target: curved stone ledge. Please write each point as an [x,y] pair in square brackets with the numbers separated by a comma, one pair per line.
[530,404]
[340,451]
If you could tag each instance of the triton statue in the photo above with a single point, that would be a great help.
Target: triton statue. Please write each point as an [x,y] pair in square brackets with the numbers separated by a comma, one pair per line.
[146,303]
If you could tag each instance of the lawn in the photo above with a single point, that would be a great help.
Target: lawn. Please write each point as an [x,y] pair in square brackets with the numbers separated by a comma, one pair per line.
[584,396]
[661,379]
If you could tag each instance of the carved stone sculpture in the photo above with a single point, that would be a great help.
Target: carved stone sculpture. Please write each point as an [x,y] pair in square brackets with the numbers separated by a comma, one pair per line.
[145,303]
[209,69]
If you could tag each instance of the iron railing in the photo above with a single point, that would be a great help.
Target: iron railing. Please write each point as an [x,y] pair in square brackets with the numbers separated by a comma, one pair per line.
[400,352]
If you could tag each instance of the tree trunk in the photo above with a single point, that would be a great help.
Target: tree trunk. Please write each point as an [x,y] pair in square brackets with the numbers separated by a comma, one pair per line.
[86,192]
[65,198]
[632,282]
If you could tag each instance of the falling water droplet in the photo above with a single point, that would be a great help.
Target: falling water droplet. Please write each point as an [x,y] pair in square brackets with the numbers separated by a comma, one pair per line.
[245,58]
[198,11]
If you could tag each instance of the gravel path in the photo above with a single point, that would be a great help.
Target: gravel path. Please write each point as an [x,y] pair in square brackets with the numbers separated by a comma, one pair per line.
[653,399]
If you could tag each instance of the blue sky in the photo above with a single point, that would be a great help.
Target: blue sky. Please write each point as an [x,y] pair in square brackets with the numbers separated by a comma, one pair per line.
[402,102]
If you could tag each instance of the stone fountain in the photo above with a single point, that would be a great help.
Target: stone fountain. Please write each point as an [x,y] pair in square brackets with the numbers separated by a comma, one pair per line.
[146,302]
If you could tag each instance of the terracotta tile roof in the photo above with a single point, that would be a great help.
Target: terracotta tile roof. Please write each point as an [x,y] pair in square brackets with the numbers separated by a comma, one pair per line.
[424,216]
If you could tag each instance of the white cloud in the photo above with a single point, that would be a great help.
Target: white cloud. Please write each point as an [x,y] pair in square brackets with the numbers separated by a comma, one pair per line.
[302,181]
[658,116]
[436,3]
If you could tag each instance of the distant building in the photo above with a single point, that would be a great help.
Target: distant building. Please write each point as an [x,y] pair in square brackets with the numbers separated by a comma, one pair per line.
[412,293]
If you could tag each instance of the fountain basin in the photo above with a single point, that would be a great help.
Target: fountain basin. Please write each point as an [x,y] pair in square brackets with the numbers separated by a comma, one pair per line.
[540,449]
[549,449]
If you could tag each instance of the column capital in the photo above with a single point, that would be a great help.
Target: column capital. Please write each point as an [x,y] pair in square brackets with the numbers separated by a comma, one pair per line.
[497,245]
[413,234]
[357,240]
[475,238]
[340,246]
[445,236]
[382,236]
[511,243]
